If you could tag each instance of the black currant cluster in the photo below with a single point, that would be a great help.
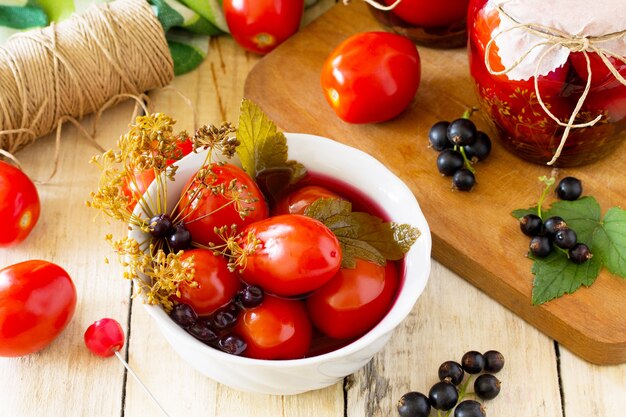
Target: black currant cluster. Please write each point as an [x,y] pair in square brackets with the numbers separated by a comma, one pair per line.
[554,231]
[446,394]
[460,145]
[214,330]
[176,236]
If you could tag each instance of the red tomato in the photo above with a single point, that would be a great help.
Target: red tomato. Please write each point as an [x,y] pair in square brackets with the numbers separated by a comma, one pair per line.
[298,201]
[276,329]
[298,254]
[354,300]
[371,77]
[204,212]
[216,284]
[19,205]
[429,13]
[37,301]
[601,76]
[104,337]
[261,25]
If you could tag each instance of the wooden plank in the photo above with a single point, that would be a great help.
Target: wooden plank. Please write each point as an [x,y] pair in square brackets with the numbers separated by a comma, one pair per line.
[592,390]
[450,318]
[473,233]
[65,378]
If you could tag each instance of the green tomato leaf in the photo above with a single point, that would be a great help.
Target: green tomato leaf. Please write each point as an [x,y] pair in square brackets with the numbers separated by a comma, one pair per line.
[582,216]
[609,243]
[362,235]
[262,146]
[556,275]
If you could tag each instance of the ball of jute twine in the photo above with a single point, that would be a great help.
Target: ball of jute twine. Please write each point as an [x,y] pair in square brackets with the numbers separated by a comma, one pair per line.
[554,38]
[83,65]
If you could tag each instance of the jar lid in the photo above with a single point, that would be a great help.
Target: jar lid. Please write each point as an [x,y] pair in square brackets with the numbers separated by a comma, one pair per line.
[574,18]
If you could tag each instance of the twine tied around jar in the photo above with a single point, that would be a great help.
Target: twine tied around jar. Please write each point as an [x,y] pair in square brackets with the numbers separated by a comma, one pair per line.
[556,38]
[377,5]
[83,65]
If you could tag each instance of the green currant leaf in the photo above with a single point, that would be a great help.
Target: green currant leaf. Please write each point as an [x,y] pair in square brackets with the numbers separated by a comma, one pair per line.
[362,235]
[519,213]
[556,275]
[609,243]
[262,146]
[582,216]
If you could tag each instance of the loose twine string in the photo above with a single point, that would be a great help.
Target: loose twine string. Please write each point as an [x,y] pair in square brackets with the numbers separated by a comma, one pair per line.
[556,38]
[377,5]
[87,63]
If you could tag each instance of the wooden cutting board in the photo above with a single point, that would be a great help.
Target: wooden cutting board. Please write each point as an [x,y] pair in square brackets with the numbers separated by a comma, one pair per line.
[473,233]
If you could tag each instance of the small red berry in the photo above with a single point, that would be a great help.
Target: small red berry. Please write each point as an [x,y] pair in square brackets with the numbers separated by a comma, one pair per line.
[104,337]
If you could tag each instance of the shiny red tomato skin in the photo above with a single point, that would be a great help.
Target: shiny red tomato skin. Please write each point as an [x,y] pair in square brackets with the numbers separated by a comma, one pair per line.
[298,201]
[259,26]
[216,284]
[354,301]
[202,230]
[371,77]
[104,337]
[298,254]
[19,205]
[429,13]
[276,329]
[37,301]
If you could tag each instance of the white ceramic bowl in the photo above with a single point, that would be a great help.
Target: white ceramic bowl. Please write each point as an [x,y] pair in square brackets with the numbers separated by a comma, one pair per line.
[279,377]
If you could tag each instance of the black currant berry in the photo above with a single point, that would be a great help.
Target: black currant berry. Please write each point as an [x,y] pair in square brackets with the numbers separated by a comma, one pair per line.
[487,386]
[232,344]
[552,225]
[160,226]
[565,238]
[251,296]
[569,188]
[540,246]
[451,370]
[413,404]
[225,317]
[469,408]
[463,180]
[494,361]
[531,225]
[180,239]
[438,136]
[443,396]
[202,331]
[480,149]
[183,315]
[462,132]
[473,362]
[449,161]
[579,253]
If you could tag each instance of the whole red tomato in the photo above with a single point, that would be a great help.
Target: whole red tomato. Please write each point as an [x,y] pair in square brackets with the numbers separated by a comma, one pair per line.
[19,205]
[203,212]
[429,13]
[371,77]
[298,201]
[37,301]
[261,25]
[277,329]
[354,300]
[216,284]
[297,254]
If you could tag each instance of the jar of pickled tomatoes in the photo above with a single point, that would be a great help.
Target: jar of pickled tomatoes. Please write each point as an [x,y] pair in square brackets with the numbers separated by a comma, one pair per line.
[440,23]
[551,76]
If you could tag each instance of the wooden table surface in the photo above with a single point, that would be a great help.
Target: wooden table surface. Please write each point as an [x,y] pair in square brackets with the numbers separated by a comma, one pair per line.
[540,378]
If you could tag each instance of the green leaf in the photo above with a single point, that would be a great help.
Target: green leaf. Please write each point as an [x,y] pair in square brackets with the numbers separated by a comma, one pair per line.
[519,213]
[609,243]
[582,216]
[362,235]
[262,147]
[556,275]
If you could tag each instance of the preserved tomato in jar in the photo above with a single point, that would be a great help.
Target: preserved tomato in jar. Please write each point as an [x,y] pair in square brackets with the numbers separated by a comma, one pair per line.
[439,24]
[523,39]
